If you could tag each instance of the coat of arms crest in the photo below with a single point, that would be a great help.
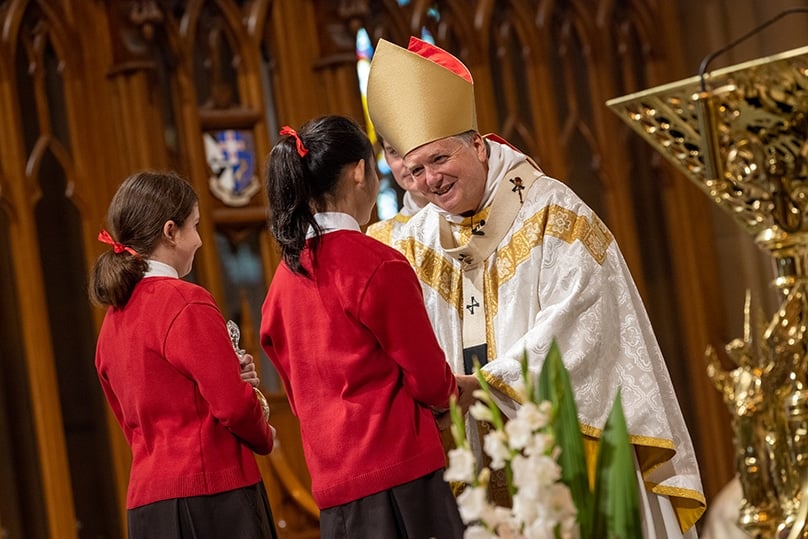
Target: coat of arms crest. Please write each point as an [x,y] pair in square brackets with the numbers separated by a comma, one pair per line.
[231,159]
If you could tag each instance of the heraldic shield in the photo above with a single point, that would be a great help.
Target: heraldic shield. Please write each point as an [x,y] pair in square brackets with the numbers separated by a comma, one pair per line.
[231,159]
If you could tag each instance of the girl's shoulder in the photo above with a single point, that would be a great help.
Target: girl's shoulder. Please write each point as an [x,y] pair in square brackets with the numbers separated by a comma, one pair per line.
[171,289]
[360,245]
[356,251]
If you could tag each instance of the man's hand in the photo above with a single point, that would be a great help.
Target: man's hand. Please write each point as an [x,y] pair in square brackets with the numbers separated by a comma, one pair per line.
[467,384]
[443,418]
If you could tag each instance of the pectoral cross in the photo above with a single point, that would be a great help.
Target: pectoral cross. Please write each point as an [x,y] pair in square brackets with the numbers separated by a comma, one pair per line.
[518,187]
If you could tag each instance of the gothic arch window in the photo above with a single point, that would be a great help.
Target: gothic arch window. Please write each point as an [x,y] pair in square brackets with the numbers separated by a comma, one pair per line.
[214,72]
[21,508]
[44,62]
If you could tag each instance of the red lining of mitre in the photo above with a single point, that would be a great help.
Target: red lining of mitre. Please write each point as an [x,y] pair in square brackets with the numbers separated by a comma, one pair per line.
[439,56]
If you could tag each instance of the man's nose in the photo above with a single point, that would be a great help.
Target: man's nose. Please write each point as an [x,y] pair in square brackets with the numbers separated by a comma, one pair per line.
[432,177]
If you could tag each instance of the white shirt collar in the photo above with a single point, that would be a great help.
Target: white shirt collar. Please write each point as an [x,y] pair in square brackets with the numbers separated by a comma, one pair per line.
[331,221]
[160,269]
[409,207]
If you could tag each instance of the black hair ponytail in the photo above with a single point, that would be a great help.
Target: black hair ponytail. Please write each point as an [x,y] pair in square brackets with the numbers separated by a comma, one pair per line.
[303,169]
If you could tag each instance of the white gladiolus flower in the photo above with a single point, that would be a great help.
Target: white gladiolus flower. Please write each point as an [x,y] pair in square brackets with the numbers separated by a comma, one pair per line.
[540,529]
[569,528]
[477,532]
[545,469]
[535,416]
[540,504]
[481,412]
[560,501]
[519,432]
[461,466]
[500,516]
[536,469]
[525,508]
[496,446]
[540,444]
[524,475]
[509,530]
[521,391]
[473,504]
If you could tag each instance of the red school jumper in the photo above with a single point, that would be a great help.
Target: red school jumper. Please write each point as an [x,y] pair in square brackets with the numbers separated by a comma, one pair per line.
[361,367]
[172,379]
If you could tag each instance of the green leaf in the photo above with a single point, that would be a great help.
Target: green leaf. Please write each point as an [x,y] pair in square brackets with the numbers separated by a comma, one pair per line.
[554,386]
[617,512]
[496,415]
[458,424]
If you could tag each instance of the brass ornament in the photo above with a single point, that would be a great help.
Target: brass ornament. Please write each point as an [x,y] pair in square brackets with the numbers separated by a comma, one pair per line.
[741,135]
[235,336]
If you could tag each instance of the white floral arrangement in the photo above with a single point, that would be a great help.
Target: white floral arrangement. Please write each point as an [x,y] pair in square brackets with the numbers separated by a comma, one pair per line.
[541,453]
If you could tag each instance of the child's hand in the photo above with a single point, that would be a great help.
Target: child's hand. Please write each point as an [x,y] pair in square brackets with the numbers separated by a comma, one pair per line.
[248,372]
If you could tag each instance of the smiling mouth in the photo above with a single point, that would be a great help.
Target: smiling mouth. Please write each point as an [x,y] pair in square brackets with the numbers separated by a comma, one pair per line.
[441,192]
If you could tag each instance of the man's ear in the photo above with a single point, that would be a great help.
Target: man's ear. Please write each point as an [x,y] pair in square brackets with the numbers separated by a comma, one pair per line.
[478,143]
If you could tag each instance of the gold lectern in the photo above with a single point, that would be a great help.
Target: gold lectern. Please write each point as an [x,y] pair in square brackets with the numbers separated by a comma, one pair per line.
[741,134]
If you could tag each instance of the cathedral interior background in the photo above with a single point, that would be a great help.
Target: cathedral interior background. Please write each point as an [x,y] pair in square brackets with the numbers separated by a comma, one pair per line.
[92,90]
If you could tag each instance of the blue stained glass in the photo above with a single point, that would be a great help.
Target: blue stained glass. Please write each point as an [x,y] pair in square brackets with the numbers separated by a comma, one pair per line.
[364,49]
[386,201]
[384,168]
[426,35]
[364,52]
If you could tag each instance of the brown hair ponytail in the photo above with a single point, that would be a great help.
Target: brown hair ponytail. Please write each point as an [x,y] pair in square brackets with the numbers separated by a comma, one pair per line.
[142,205]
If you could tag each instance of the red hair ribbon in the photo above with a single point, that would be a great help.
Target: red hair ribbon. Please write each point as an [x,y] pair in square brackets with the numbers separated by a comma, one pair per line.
[117,248]
[301,149]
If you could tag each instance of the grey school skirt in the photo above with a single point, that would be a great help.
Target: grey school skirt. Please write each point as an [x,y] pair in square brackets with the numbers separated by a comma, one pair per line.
[242,513]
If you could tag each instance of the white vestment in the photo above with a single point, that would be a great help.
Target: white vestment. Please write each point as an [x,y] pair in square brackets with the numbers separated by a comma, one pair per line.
[554,271]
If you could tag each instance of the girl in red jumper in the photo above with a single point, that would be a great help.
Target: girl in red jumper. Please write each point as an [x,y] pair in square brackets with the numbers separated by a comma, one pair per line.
[170,374]
[345,325]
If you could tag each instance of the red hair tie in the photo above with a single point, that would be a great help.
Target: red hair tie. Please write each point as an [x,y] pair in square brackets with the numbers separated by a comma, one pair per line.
[117,248]
[301,149]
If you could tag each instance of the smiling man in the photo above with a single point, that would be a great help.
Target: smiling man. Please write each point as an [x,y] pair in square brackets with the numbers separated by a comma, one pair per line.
[510,259]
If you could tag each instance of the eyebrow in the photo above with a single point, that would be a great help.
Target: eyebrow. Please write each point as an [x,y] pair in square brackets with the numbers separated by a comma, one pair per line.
[436,153]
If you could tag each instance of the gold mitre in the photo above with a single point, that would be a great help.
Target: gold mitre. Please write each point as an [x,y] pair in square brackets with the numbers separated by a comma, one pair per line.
[419,94]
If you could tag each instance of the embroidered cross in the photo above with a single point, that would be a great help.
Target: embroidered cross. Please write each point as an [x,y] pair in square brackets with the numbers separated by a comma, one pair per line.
[518,187]
[472,305]
[464,258]
[476,229]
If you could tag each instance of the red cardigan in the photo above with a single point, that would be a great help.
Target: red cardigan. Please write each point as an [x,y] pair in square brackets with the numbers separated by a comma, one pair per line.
[171,376]
[361,367]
